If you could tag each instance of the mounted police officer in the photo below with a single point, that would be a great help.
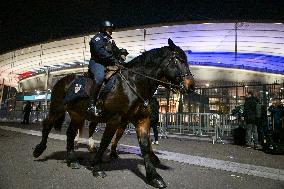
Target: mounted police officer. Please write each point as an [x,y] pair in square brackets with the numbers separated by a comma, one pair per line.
[102,55]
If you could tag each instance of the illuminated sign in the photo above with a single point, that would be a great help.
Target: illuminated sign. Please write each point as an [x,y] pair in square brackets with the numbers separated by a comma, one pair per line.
[36,97]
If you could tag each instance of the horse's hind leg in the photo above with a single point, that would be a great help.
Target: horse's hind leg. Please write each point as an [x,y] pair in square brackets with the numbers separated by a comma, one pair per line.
[105,141]
[142,130]
[71,133]
[47,125]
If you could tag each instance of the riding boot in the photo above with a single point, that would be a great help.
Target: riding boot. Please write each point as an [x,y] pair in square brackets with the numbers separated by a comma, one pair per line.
[92,109]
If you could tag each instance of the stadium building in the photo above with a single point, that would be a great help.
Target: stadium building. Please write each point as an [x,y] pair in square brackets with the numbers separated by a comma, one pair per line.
[226,59]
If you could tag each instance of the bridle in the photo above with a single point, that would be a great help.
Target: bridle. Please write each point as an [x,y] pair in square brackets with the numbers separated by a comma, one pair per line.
[172,60]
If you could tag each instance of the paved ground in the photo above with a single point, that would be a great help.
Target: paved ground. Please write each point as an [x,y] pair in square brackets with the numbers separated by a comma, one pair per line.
[192,164]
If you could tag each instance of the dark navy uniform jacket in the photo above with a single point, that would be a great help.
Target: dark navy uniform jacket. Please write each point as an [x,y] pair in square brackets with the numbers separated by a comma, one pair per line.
[102,55]
[101,49]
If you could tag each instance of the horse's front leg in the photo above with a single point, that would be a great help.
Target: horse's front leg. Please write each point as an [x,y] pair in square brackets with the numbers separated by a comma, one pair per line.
[71,134]
[142,130]
[105,141]
[154,159]
[47,126]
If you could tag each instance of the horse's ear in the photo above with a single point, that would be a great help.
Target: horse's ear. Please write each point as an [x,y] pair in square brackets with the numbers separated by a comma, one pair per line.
[171,44]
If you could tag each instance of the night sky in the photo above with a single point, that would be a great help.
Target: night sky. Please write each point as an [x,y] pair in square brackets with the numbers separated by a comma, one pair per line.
[26,22]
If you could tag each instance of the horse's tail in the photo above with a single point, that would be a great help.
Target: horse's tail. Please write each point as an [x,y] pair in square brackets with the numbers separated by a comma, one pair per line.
[57,110]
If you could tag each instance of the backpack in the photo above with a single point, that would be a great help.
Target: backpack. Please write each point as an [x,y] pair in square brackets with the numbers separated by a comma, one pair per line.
[273,142]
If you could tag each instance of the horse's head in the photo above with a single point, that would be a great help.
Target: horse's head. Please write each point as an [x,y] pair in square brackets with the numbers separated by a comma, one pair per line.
[176,69]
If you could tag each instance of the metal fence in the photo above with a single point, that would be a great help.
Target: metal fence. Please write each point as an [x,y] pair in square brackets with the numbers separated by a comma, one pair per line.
[212,126]
[18,115]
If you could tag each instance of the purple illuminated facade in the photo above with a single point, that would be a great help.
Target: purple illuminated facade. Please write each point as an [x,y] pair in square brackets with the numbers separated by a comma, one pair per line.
[247,61]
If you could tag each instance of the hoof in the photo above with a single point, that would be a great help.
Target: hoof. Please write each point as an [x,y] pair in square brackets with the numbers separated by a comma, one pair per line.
[113,155]
[74,165]
[39,150]
[97,172]
[157,183]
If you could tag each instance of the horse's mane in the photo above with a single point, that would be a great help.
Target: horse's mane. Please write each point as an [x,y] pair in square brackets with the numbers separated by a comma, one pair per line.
[147,57]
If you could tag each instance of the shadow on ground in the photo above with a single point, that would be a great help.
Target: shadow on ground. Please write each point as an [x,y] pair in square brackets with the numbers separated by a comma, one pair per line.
[85,158]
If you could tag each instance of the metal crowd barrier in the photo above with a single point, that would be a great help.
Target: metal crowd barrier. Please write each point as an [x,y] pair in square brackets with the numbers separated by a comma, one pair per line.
[211,125]
[18,116]
[214,126]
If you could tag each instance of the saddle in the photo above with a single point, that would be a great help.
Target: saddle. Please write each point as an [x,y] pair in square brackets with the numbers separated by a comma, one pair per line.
[110,71]
[82,85]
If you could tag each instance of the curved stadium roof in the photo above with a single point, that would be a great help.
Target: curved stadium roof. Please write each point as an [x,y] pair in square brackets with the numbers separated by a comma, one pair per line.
[245,46]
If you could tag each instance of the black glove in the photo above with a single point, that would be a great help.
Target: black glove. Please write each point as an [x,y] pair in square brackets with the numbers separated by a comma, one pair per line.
[117,62]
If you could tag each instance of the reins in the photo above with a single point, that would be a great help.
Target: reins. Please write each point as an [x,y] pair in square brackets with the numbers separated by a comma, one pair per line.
[143,75]
[148,77]
[121,67]
[134,90]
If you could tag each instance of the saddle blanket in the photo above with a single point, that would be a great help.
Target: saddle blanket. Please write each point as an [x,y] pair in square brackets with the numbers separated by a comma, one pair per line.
[80,88]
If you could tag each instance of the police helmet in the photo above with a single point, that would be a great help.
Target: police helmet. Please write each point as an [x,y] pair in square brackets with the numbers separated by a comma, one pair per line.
[106,24]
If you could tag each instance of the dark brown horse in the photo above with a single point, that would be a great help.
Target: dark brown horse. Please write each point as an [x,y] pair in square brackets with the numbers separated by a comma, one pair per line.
[125,102]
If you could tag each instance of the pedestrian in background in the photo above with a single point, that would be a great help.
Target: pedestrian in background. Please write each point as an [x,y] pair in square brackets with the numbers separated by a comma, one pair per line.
[154,119]
[276,110]
[27,112]
[38,110]
[250,116]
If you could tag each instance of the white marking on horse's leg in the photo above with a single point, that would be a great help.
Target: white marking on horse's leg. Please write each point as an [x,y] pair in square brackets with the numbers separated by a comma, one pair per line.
[77,138]
[92,142]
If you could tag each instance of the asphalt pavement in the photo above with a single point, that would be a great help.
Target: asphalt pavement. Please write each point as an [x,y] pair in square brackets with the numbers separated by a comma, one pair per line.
[185,163]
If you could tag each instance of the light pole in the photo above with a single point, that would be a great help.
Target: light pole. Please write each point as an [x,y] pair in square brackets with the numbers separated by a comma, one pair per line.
[1,93]
[47,74]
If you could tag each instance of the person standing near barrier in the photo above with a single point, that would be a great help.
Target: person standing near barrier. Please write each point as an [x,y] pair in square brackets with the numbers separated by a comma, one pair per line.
[276,110]
[250,116]
[154,119]
[27,112]
[38,110]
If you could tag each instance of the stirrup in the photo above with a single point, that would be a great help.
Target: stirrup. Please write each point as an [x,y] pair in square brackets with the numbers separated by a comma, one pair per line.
[97,111]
